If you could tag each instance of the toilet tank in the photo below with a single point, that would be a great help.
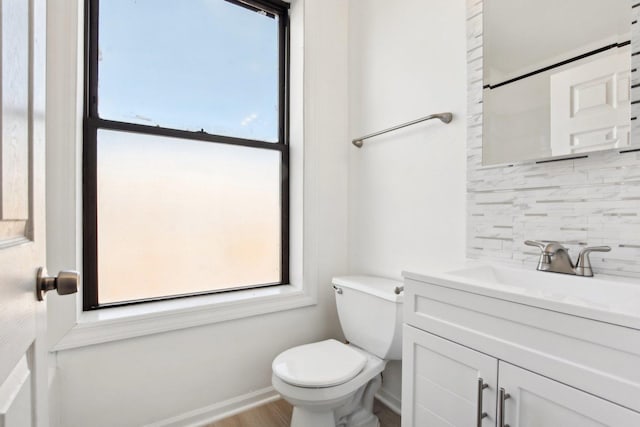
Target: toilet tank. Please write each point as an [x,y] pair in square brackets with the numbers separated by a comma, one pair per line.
[370,313]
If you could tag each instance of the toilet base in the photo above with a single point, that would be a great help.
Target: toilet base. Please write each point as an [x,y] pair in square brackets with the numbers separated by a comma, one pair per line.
[303,417]
[361,419]
[346,405]
[354,411]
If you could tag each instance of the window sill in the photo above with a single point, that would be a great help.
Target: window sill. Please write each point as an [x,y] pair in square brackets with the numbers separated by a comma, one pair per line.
[113,324]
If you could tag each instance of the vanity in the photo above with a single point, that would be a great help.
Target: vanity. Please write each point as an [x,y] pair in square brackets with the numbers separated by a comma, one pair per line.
[492,345]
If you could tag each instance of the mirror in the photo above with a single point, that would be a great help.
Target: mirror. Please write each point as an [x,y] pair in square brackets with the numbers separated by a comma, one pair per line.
[557,78]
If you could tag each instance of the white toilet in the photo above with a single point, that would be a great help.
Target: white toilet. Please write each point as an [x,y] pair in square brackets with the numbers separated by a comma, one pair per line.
[333,384]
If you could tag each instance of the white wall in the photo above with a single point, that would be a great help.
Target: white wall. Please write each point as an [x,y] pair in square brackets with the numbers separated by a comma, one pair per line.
[137,381]
[407,59]
[405,205]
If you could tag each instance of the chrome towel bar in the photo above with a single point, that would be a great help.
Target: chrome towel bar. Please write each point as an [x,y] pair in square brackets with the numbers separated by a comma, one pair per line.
[444,118]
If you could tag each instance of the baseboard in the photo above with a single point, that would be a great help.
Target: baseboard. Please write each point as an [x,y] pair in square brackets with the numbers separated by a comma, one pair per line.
[220,410]
[392,402]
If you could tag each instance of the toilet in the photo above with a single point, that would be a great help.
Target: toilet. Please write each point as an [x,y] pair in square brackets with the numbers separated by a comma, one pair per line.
[332,384]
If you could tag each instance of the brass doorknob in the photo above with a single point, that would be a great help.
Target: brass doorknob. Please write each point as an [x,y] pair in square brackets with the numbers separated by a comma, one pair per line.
[66,283]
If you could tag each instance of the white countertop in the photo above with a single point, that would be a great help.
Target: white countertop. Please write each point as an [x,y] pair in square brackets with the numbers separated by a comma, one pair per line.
[603,298]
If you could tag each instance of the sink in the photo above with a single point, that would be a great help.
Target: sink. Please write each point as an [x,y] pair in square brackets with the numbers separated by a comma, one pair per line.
[606,298]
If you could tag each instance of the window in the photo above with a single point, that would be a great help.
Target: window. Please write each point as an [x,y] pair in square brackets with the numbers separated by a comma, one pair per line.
[185,156]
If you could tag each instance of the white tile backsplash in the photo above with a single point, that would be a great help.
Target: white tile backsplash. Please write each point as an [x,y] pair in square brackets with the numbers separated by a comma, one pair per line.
[592,201]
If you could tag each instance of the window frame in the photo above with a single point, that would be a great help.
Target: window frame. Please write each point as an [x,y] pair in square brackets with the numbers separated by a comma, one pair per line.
[92,123]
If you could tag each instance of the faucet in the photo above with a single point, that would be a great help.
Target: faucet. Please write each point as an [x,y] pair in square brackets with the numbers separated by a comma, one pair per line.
[555,258]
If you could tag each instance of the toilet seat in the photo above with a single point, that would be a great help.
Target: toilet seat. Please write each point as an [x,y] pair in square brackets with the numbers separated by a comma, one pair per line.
[317,365]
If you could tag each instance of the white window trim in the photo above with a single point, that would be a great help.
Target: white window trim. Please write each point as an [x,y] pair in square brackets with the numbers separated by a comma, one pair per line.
[132,321]
[70,327]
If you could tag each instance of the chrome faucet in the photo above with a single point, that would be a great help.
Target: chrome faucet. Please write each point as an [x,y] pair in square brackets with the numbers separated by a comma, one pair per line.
[555,258]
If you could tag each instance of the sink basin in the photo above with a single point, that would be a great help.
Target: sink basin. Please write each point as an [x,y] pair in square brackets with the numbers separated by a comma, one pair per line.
[606,298]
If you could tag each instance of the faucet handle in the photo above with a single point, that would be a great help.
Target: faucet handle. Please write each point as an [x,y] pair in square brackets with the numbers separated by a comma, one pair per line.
[583,266]
[545,256]
[536,243]
[549,248]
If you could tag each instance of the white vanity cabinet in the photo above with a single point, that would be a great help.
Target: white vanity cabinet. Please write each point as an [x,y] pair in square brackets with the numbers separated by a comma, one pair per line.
[555,369]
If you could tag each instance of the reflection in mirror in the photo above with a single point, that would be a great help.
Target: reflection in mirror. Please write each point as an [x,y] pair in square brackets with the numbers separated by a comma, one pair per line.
[556,78]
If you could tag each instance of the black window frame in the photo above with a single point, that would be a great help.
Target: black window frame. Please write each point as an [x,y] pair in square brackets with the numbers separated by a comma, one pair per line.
[92,123]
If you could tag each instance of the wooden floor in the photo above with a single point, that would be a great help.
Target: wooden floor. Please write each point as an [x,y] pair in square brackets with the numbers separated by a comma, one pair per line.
[278,414]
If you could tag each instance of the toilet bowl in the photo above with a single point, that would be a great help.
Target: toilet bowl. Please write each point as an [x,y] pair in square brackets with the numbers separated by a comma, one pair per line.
[333,384]
[331,404]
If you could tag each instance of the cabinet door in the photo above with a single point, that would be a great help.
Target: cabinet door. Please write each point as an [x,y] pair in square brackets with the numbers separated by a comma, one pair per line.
[535,401]
[441,383]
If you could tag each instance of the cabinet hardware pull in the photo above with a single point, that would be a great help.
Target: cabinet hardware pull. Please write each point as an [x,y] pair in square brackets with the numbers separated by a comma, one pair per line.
[502,396]
[481,414]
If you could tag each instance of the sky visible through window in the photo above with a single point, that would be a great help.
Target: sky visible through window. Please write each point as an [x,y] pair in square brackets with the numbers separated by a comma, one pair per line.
[190,65]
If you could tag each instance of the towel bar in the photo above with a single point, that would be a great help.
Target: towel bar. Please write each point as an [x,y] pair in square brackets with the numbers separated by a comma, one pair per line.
[444,118]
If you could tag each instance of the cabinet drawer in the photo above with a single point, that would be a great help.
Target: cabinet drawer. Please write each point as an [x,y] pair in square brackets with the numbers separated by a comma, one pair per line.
[596,357]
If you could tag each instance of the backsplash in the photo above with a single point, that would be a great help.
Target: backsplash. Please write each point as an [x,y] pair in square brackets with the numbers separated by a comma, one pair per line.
[592,201]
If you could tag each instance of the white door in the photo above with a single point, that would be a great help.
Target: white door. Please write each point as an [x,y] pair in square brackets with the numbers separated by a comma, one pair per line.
[23,373]
[590,105]
[537,401]
[446,384]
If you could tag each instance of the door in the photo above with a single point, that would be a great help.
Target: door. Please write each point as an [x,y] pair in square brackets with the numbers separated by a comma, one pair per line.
[590,105]
[23,372]
[446,384]
[535,401]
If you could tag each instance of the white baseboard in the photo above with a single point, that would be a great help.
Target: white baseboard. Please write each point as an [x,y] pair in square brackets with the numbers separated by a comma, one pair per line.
[230,407]
[391,401]
[220,410]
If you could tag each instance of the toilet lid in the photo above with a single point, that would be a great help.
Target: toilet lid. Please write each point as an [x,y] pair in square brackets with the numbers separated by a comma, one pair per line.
[321,364]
